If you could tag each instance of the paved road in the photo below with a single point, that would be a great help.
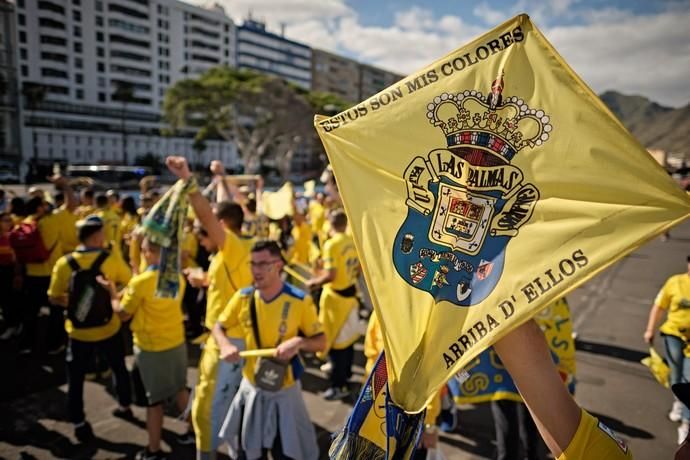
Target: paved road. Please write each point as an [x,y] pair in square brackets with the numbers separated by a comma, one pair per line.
[609,314]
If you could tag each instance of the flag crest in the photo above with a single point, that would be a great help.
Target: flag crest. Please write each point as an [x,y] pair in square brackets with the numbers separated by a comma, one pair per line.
[481,189]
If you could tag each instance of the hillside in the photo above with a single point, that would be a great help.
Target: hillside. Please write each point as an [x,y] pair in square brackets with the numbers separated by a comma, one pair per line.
[655,126]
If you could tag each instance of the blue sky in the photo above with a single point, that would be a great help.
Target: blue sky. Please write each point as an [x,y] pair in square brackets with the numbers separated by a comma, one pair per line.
[633,46]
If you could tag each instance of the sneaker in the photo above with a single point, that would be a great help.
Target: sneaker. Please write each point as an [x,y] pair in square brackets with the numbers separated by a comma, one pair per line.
[83,432]
[676,411]
[7,334]
[334,394]
[25,351]
[327,368]
[146,455]
[124,413]
[683,430]
[186,439]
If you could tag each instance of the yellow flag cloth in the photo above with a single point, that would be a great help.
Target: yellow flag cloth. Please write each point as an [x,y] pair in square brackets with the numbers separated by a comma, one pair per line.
[479,190]
[278,204]
[657,366]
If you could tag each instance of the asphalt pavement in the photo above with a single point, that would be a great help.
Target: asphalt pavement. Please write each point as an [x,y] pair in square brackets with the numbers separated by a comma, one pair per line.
[609,314]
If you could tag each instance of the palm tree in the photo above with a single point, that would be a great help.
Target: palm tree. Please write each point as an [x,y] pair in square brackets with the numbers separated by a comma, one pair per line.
[124,92]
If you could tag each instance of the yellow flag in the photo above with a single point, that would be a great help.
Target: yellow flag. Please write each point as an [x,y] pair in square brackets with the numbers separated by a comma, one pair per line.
[479,190]
[278,204]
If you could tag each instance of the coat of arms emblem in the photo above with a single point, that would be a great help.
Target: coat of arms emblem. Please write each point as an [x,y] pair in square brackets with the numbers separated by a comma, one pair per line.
[466,201]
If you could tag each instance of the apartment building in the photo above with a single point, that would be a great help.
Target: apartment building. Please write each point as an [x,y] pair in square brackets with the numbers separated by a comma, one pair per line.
[267,52]
[348,78]
[9,101]
[93,75]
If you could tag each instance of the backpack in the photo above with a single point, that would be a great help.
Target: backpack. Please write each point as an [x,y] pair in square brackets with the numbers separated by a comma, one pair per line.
[88,302]
[28,245]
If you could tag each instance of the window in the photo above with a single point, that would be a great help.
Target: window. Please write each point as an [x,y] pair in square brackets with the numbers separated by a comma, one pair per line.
[76,15]
[50,40]
[57,57]
[23,53]
[101,97]
[100,52]
[101,82]
[22,36]
[76,2]
[102,141]
[20,3]
[47,72]
[99,5]
[77,31]
[80,95]
[22,19]
[79,78]
[51,23]
[99,36]
[101,67]
[99,21]
[78,47]
[78,63]
[25,71]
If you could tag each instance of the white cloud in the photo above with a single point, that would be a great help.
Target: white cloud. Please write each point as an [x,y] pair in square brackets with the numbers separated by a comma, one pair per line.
[610,48]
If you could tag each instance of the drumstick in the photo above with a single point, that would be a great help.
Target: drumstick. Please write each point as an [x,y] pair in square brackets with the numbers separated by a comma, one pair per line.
[262,353]
[294,274]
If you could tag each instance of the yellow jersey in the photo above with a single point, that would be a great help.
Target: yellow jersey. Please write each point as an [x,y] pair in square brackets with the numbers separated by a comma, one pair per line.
[301,317]
[674,297]
[69,236]
[594,440]
[111,228]
[157,323]
[228,272]
[85,210]
[339,254]
[189,248]
[301,235]
[50,228]
[113,268]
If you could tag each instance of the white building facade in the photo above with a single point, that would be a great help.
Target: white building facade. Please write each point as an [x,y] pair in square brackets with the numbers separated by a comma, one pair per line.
[75,57]
[266,52]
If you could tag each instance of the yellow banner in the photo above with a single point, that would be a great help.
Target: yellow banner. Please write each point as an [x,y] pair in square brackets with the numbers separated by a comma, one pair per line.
[479,190]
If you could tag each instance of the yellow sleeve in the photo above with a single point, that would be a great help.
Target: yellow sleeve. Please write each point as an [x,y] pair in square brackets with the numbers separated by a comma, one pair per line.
[663,298]
[309,322]
[59,279]
[230,316]
[593,439]
[133,297]
[134,251]
[329,253]
[49,226]
[117,270]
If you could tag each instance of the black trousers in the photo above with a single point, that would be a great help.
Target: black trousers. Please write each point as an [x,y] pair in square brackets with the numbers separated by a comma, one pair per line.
[514,427]
[79,356]
[9,300]
[342,365]
[42,331]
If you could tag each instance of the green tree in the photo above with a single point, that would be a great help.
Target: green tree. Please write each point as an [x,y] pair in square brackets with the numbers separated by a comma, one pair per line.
[265,116]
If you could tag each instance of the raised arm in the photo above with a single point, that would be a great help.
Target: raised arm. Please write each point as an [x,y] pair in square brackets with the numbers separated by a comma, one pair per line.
[202,208]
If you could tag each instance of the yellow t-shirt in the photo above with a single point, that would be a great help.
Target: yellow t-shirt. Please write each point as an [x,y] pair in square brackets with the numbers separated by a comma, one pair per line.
[232,260]
[50,228]
[68,229]
[339,253]
[157,323]
[113,268]
[675,297]
[111,228]
[128,224]
[301,247]
[317,215]
[190,247]
[301,317]
[594,440]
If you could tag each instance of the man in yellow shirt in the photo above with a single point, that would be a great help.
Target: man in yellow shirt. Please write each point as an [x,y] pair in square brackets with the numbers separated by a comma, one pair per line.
[85,340]
[111,225]
[228,272]
[159,347]
[338,305]
[271,314]
[37,280]
[301,236]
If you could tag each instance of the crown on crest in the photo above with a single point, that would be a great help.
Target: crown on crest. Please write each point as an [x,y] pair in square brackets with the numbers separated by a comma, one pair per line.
[489,122]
